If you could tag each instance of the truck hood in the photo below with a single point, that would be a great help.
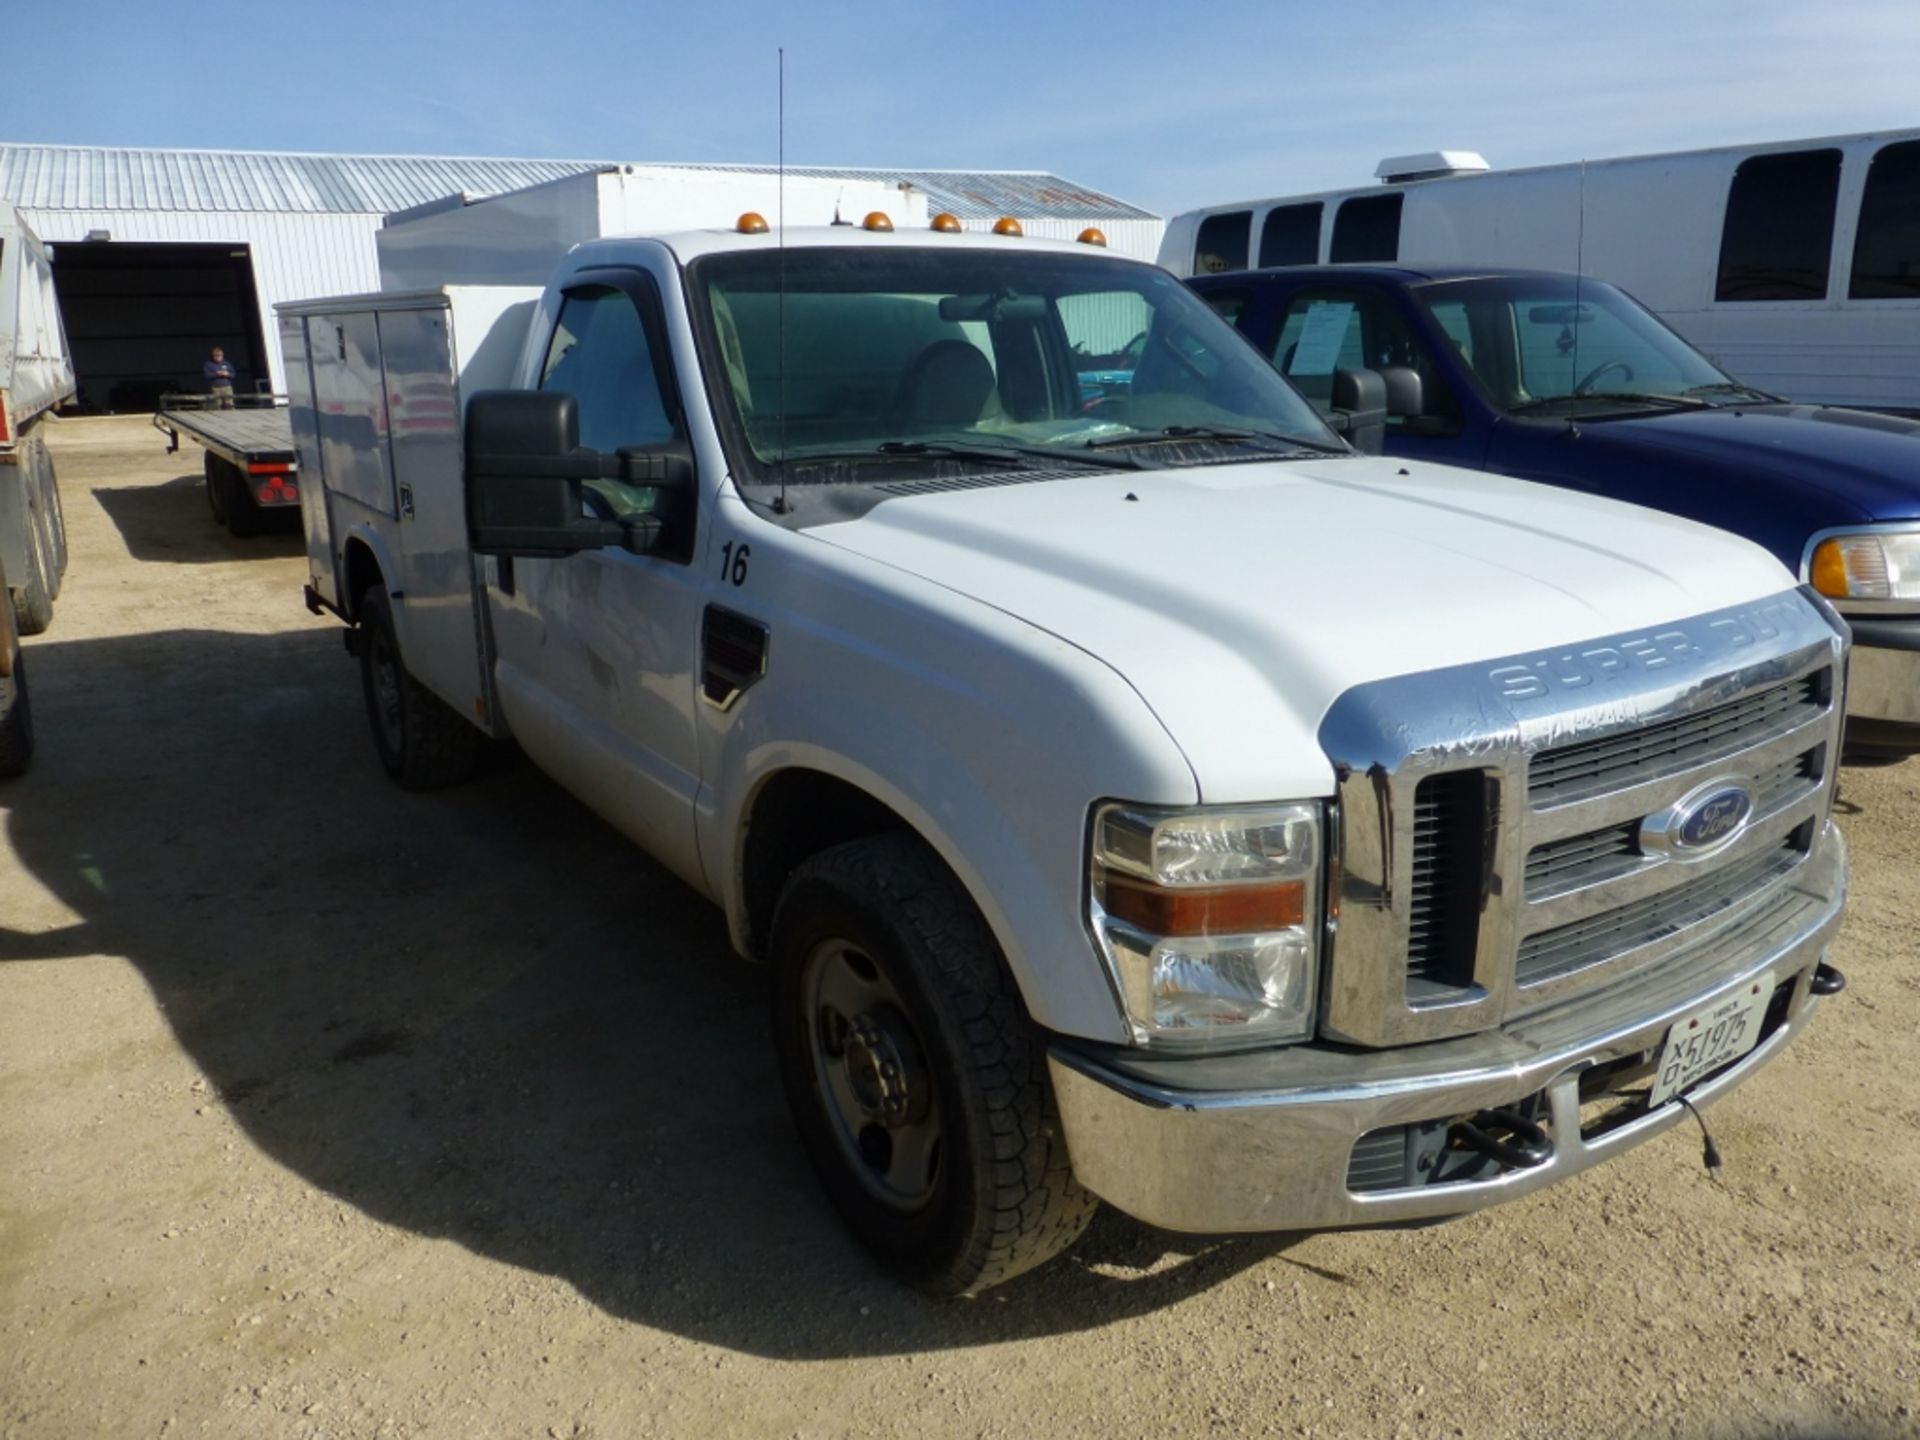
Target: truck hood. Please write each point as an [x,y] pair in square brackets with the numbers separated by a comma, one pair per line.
[1241,600]
[1823,464]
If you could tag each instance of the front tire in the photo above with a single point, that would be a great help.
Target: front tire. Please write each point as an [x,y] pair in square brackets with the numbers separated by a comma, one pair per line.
[918,1084]
[422,742]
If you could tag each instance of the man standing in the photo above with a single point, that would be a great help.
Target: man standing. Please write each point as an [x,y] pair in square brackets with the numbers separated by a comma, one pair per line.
[219,379]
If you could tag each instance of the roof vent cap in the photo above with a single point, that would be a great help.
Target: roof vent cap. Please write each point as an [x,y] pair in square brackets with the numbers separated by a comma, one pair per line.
[1433,165]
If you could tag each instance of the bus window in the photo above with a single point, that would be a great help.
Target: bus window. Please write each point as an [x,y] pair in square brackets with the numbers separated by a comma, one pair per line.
[1290,235]
[1886,251]
[1779,227]
[1223,242]
[1367,228]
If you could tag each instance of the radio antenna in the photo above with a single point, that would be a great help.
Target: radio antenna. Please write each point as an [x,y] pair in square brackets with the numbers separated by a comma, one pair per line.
[1579,272]
[780,271]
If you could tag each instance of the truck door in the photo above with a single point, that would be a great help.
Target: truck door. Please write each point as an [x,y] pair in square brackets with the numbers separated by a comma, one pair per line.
[597,651]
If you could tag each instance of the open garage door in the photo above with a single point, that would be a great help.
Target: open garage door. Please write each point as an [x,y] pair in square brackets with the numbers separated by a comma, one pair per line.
[142,317]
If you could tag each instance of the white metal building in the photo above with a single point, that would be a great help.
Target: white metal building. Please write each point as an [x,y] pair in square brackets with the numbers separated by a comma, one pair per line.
[161,254]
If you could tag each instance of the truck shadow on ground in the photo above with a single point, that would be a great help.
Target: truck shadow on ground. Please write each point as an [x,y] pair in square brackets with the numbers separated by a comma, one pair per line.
[480,1015]
[171,523]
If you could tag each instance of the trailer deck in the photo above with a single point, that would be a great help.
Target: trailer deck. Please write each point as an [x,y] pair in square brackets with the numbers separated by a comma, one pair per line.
[239,436]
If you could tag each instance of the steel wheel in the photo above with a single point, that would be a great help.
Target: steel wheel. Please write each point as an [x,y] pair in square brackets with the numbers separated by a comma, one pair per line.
[871,1077]
[917,1082]
[383,668]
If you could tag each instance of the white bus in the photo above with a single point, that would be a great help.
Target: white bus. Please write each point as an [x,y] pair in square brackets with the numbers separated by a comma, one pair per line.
[1795,265]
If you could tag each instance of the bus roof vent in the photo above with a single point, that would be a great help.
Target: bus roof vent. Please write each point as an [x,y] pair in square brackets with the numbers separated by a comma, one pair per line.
[1433,165]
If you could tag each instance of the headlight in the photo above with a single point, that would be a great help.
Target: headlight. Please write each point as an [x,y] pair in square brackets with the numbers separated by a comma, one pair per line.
[1868,567]
[1210,920]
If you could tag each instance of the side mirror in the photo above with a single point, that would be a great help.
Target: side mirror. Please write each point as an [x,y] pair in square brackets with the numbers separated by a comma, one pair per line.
[524,465]
[1360,409]
[1405,393]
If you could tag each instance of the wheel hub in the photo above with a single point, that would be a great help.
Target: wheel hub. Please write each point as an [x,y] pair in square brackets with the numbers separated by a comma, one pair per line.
[884,1071]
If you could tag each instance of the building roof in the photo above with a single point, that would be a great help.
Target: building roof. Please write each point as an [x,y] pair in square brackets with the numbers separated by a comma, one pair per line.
[79,177]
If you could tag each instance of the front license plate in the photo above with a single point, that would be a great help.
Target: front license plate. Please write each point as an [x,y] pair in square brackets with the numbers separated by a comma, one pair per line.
[1709,1038]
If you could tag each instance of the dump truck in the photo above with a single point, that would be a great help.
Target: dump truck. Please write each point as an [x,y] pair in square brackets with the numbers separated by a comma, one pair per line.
[36,375]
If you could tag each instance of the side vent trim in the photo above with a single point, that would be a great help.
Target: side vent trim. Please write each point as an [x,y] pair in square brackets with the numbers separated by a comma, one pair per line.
[733,655]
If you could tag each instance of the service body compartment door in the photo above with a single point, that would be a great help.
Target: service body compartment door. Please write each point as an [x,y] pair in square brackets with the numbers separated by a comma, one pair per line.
[350,408]
[437,612]
[315,522]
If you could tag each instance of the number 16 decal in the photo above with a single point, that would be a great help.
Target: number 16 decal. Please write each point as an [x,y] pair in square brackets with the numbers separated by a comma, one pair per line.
[733,563]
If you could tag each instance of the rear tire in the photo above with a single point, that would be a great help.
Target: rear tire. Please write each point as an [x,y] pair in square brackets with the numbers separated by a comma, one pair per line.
[243,516]
[422,742]
[217,497]
[33,601]
[918,1084]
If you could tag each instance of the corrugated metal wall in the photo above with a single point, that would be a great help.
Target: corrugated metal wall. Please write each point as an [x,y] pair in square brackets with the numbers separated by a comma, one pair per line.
[295,257]
[312,232]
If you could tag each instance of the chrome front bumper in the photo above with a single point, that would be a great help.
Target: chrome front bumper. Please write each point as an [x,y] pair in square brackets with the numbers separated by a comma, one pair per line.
[1262,1141]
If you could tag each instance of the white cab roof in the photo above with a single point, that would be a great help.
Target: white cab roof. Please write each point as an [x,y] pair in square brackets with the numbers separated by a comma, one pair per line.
[689,245]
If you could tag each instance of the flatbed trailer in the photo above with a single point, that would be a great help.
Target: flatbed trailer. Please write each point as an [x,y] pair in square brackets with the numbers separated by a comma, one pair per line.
[251,466]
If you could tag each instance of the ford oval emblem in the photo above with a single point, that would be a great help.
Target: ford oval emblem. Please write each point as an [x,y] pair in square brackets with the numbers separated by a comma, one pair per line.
[1713,819]
[1701,822]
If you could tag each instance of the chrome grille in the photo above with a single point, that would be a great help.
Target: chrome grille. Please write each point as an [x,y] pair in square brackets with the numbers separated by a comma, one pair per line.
[1449,822]
[1608,853]
[1789,779]
[1572,772]
[1496,853]
[1552,954]
[1583,859]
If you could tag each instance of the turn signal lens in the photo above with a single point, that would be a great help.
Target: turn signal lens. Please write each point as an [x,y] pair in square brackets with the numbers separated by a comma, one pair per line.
[947,223]
[1883,566]
[1007,225]
[752,223]
[876,220]
[1227,910]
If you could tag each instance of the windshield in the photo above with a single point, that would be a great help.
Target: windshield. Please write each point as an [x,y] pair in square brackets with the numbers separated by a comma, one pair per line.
[1539,350]
[930,358]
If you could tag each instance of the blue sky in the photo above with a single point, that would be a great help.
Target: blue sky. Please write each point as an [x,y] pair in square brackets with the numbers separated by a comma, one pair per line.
[1238,99]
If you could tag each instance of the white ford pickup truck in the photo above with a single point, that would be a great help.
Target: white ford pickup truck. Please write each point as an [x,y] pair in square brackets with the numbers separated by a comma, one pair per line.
[1136,793]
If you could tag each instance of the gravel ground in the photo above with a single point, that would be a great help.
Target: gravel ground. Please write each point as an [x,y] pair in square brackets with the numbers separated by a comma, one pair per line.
[327,1110]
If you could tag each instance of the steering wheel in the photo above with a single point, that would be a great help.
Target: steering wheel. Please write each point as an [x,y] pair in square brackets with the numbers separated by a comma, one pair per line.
[1588,380]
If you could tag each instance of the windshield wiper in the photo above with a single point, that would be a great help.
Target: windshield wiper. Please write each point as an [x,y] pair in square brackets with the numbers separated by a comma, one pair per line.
[1730,387]
[1016,455]
[1631,397]
[1178,434]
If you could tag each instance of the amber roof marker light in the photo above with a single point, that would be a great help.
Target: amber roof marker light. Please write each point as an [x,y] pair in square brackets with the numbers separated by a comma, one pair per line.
[877,220]
[751,223]
[1093,235]
[1007,225]
[946,222]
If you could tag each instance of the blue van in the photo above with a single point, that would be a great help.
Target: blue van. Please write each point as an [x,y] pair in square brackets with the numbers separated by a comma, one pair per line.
[1571,382]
